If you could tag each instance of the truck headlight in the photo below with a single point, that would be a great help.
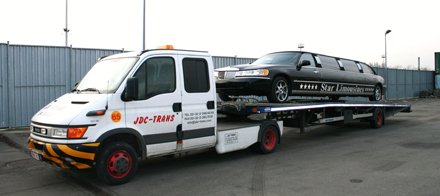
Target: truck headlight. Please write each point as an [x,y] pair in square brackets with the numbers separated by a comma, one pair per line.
[258,72]
[59,132]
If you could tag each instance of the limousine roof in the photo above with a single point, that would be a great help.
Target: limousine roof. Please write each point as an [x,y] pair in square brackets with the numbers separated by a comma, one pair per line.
[302,52]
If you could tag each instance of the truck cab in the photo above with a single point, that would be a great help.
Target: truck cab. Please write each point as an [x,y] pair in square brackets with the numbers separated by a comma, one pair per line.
[152,103]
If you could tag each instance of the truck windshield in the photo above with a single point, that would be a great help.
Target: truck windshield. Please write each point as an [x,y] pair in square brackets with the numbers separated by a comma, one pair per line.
[105,76]
[279,58]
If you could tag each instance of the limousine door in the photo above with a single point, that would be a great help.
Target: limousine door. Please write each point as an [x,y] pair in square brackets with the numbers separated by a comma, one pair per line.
[307,79]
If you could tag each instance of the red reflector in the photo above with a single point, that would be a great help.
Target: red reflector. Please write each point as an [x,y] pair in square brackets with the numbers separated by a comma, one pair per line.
[180,142]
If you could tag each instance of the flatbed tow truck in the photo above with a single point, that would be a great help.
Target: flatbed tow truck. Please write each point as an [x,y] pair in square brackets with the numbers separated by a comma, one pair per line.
[134,106]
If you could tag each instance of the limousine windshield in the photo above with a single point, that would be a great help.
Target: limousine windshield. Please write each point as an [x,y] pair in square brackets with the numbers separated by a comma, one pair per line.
[279,58]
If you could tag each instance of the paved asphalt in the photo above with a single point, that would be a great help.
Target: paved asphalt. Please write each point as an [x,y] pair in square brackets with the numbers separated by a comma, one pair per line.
[400,158]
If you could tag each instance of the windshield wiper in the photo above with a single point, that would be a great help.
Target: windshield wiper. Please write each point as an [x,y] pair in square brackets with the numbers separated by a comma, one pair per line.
[90,89]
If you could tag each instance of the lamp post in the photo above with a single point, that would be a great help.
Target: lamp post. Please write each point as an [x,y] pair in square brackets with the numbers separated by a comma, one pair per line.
[66,29]
[386,60]
[143,34]
[300,46]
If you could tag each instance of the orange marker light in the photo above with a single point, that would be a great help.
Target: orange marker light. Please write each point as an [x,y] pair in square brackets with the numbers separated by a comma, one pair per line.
[76,132]
[254,109]
[167,47]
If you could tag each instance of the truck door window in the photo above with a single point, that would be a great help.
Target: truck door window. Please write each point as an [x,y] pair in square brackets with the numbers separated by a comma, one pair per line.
[195,75]
[156,76]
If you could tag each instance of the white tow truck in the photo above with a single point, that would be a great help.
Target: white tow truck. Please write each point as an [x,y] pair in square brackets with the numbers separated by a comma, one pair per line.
[133,106]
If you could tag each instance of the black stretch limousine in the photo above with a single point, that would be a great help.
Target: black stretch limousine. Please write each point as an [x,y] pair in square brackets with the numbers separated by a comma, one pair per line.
[281,74]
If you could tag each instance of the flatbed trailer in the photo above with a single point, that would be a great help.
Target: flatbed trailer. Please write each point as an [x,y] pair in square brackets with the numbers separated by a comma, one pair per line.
[306,112]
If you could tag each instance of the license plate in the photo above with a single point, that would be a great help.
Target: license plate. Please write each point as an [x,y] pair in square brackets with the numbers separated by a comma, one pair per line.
[36,156]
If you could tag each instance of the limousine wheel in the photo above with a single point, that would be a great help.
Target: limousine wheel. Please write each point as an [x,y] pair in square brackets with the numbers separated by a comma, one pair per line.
[279,92]
[377,94]
[224,97]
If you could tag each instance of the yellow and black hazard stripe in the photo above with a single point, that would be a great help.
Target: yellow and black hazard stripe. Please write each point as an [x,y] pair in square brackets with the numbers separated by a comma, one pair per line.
[71,156]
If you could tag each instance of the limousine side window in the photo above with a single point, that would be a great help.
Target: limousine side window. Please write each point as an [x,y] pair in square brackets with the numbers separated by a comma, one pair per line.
[329,63]
[309,58]
[350,66]
[367,69]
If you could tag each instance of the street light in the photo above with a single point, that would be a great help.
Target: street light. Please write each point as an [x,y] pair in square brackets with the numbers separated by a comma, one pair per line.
[386,59]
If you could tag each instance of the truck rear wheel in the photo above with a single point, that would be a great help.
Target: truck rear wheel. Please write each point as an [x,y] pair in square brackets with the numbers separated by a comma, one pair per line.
[269,139]
[116,163]
[378,118]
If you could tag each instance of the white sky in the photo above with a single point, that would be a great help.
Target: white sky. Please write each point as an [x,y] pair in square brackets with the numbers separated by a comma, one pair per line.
[246,28]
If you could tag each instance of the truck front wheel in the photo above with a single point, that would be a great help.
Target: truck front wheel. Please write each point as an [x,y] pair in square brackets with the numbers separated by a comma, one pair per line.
[269,139]
[116,163]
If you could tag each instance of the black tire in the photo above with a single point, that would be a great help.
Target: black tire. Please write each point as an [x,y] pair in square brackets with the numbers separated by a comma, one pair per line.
[269,139]
[224,97]
[378,118]
[377,94]
[333,98]
[116,163]
[279,91]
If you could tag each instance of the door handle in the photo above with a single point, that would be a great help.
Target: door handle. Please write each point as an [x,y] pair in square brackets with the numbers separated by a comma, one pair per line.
[210,105]
[316,72]
[177,107]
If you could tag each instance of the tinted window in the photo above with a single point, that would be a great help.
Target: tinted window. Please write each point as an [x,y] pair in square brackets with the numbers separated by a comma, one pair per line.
[350,66]
[329,63]
[156,76]
[195,75]
[308,57]
[279,58]
[367,69]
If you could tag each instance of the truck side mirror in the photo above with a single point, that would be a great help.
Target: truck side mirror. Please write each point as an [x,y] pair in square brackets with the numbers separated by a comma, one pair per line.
[303,63]
[132,89]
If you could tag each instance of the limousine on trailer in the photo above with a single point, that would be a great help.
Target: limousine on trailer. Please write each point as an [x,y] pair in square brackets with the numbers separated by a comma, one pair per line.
[282,74]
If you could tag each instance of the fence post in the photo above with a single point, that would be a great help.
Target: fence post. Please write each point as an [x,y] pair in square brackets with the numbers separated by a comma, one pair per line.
[9,87]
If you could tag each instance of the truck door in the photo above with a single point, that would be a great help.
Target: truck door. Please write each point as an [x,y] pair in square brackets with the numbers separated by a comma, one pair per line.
[198,103]
[155,114]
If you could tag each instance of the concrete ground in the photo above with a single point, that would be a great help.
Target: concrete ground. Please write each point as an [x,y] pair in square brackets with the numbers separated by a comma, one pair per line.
[400,158]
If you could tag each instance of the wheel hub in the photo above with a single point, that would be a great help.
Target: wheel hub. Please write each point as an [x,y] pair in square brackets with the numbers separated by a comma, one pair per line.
[121,164]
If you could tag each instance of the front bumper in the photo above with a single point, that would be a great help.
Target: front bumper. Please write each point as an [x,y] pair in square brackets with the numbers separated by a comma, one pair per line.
[70,156]
[244,86]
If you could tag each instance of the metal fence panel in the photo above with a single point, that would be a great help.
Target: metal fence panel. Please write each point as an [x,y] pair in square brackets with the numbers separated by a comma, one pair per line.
[409,92]
[4,106]
[39,76]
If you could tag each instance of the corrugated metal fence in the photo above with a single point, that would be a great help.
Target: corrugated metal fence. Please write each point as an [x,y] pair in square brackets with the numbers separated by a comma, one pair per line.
[32,76]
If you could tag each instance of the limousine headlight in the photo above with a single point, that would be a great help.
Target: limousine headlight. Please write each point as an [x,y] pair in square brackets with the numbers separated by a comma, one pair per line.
[258,72]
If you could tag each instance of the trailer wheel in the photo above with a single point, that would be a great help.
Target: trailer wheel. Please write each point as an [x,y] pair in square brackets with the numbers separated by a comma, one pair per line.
[378,118]
[116,163]
[269,139]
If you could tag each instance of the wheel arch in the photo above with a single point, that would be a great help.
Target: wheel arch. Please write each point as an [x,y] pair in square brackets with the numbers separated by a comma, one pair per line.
[128,135]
